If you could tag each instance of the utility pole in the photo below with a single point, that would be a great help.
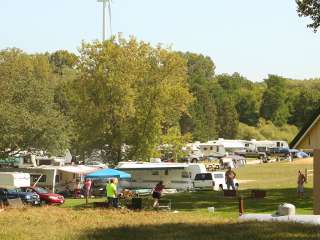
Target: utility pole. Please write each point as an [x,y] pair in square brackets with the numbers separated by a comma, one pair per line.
[104,2]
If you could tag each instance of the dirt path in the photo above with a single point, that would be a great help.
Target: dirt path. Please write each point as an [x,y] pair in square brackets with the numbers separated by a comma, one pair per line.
[303,161]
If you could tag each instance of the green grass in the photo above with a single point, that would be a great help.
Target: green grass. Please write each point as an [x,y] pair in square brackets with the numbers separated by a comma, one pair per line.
[75,220]
[278,179]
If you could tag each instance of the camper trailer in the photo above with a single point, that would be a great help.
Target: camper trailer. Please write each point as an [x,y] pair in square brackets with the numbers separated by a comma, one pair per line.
[14,179]
[174,175]
[212,149]
[232,146]
[55,178]
[263,146]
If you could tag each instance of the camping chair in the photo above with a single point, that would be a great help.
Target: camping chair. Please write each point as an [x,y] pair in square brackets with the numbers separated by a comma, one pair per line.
[164,204]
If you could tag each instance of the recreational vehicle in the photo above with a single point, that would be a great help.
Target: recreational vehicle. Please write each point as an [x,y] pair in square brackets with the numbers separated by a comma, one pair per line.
[232,146]
[263,146]
[56,178]
[174,175]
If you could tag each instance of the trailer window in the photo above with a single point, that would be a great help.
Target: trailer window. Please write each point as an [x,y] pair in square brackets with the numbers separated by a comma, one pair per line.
[203,176]
[155,173]
[35,177]
[185,175]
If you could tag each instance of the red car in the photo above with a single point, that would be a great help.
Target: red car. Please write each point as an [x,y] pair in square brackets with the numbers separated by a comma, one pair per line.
[45,196]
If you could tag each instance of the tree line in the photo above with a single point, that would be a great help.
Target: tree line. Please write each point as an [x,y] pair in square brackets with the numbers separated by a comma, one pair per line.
[126,98]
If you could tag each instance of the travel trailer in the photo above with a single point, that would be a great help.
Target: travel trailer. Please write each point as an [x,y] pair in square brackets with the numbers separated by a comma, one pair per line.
[14,179]
[56,178]
[232,146]
[174,175]
[212,149]
[263,146]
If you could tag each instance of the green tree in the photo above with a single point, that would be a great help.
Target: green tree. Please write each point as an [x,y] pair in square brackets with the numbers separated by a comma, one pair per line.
[61,60]
[172,143]
[306,105]
[28,116]
[274,106]
[228,119]
[310,8]
[129,93]
[202,118]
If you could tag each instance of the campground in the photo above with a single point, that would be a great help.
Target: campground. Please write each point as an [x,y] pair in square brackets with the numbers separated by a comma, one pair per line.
[189,218]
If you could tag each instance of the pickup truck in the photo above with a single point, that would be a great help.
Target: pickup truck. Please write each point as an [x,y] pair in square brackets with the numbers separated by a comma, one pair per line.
[14,193]
[253,154]
[212,180]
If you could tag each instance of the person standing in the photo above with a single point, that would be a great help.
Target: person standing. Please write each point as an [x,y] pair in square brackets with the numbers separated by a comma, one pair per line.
[87,188]
[229,177]
[156,194]
[301,180]
[111,190]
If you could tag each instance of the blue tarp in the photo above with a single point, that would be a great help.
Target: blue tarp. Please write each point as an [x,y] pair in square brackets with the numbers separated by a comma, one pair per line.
[108,173]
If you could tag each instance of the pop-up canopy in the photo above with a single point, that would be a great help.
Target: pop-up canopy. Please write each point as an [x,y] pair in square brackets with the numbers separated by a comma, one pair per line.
[108,173]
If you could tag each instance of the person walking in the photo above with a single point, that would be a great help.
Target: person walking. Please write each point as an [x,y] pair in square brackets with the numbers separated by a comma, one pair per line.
[229,177]
[156,194]
[111,191]
[301,180]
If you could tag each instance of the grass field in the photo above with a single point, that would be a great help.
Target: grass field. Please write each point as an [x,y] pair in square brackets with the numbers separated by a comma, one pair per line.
[74,220]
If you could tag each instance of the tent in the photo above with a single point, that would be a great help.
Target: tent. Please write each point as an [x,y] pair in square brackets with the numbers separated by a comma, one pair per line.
[108,173]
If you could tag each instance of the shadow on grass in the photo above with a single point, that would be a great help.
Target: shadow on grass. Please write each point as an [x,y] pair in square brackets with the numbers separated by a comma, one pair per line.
[226,231]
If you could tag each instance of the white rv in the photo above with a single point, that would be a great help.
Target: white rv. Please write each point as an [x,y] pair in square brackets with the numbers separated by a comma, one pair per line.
[232,146]
[174,175]
[14,179]
[212,149]
[262,146]
[55,178]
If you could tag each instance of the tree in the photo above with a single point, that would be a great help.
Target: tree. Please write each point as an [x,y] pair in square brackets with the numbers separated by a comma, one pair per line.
[61,60]
[28,116]
[202,118]
[247,108]
[310,8]
[273,106]
[129,94]
[172,143]
[228,119]
[306,105]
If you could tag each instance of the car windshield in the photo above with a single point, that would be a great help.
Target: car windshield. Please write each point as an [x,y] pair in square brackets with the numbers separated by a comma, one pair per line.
[41,190]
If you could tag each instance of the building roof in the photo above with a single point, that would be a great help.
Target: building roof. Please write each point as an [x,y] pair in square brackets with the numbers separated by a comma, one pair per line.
[305,129]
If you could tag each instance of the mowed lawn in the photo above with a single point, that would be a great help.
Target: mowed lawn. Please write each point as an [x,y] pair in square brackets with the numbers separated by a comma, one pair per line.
[190,219]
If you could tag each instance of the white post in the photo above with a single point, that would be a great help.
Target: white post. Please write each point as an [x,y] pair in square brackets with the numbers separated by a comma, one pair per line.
[54,180]
[104,21]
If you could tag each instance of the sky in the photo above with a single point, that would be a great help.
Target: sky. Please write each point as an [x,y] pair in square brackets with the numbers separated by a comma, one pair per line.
[252,37]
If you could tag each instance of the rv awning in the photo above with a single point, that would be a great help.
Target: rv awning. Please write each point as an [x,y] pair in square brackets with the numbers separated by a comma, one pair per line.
[78,169]
[109,173]
[126,166]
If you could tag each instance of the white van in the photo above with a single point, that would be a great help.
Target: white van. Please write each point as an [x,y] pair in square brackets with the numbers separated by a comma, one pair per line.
[213,180]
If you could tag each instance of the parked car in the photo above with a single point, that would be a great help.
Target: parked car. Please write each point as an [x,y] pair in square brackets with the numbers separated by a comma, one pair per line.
[212,180]
[14,193]
[45,196]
